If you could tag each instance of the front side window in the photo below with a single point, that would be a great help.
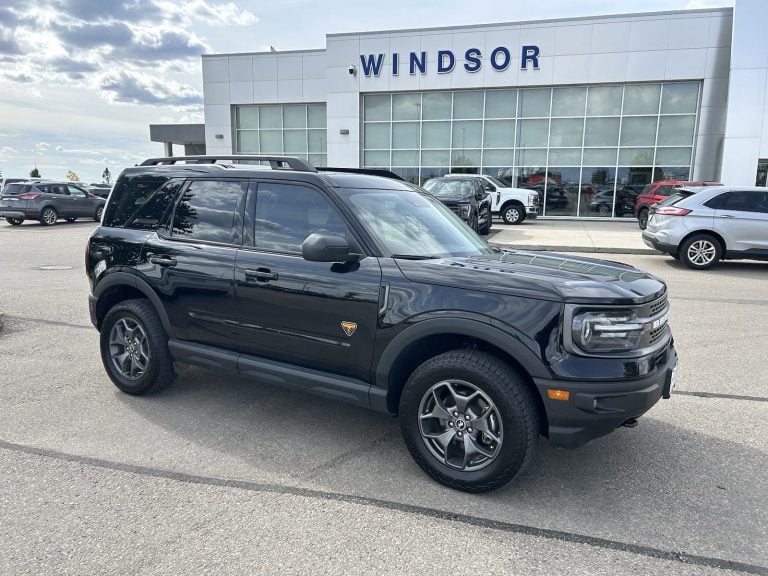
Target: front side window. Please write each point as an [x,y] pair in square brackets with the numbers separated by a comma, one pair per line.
[206,211]
[287,213]
[76,192]
[412,224]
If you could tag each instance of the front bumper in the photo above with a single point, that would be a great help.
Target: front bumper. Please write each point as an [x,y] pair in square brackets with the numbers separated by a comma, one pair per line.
[595,409]
[531,212]
[659,245]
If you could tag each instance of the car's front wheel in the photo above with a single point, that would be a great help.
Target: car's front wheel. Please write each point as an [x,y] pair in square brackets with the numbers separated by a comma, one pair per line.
[642,218]
[469,420]
[700,252]
[14,221]
[134,348]
[98,213]
[513,213]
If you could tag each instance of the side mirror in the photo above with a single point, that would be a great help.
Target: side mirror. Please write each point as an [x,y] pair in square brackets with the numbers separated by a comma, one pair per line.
[322,247]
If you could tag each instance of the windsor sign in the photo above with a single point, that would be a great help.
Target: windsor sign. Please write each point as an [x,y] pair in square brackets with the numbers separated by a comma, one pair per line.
[500,59]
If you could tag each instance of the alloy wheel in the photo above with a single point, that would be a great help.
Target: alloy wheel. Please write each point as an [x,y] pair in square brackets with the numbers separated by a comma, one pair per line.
[702,252]
[129,348]
[460,425]
[49,216]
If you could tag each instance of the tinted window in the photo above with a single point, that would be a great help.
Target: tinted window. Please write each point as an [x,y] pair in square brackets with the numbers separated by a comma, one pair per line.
[740,202]
[206,210]
[149,215]
[75,191]
[14,189]
[287,213]
[130,194]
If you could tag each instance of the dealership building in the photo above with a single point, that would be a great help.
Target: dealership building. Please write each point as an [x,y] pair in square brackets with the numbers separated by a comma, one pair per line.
[573,108]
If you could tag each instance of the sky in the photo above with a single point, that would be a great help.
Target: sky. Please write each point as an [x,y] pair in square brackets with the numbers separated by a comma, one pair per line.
[81,80]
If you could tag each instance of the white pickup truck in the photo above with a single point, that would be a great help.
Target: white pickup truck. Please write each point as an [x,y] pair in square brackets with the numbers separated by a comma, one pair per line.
[513,204]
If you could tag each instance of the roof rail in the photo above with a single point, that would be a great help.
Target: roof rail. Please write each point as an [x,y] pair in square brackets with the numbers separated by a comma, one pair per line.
[275,162]
[370,171]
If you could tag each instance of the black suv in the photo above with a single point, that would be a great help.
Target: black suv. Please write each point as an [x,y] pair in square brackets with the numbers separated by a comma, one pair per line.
[468,197]
[369,290]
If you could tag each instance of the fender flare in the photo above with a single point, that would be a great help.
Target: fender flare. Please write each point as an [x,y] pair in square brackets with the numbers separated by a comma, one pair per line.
[119,278]
[509,342]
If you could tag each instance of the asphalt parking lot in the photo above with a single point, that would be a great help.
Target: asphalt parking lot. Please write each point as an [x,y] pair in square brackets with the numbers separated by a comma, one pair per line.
[222,476]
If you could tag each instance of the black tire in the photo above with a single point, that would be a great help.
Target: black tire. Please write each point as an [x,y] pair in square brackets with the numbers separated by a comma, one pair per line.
[48,216]
[642,218]
[158,372]
[98,213]
[700,252]
[513,213]
[71,218]
[511,400]
[604,209]
[14,221]
[675,256]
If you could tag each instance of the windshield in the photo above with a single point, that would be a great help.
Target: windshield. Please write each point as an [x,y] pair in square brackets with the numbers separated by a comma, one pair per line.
[676,197]
[411,224]
[496,182]
[452,189]
[14,189]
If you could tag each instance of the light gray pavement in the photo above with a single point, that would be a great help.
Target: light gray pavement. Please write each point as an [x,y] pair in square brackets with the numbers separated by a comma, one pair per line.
[225,476]
[611,237]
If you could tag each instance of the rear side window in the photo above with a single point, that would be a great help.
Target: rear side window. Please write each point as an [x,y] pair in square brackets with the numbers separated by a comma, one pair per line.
[129,195]
[206,211]
[740,202]
[150,214]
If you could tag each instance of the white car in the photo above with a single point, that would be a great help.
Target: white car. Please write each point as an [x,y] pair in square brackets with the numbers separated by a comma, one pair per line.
[513,204]
[701,228]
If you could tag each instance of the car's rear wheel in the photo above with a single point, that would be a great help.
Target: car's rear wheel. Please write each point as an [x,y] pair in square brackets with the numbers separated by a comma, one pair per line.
[642,218]
[469,420]
[99,212]
[513,213]
[48,216]
[14,221]
[134,348]
[700,252]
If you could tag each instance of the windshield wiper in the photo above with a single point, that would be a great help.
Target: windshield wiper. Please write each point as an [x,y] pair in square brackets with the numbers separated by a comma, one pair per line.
[415,257]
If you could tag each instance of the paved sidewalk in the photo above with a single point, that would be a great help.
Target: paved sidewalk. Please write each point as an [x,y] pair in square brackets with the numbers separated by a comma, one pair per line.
[571,236]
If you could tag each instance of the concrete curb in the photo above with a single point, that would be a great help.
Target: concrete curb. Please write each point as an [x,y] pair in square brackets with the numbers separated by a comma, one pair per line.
[585,249]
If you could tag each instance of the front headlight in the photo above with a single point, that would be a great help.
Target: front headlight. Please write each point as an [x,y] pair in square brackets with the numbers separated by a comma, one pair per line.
[607,331]
[464,211]
[533,198]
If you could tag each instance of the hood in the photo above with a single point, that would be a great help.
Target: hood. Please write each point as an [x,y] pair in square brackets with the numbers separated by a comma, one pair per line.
[546,276]
[452,196]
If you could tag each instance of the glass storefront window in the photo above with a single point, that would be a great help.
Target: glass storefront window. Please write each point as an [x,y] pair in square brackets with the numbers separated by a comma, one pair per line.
[271,142]
[641,98]
[270,117]
[316,116]
[295,141]
[500,103]
[248,142]
[679,98]
[294,116]
[590,147]
[247,117]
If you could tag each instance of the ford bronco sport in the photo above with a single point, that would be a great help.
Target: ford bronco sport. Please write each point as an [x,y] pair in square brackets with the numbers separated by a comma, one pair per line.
[369,290]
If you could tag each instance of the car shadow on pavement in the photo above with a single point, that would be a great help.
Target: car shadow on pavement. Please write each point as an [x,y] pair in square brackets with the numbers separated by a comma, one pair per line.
[659,484]
[33,225]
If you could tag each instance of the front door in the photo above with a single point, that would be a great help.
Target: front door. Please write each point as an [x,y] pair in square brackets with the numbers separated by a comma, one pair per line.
[80,204]
[314,314]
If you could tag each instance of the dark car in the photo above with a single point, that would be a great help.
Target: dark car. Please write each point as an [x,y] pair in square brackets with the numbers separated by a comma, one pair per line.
[467,197]
[603,201]
[47,202]
[368,290]
[100,190]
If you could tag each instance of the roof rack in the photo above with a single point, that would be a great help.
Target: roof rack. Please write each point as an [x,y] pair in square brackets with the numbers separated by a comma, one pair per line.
[275,162]
[369,171]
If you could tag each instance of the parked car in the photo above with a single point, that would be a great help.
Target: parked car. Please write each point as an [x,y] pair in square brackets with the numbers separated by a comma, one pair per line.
[366,289]
[724,222]
[7,181]
[467,197]
[658,191]
[47,202]
[100,190]
[513,205]
[603,201]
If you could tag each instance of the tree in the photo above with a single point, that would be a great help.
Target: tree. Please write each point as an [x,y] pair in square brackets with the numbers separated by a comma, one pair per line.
[72,176]
[106,176]
[34,173]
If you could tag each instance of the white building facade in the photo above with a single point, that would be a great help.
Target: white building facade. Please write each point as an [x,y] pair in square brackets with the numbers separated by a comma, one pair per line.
[572,108]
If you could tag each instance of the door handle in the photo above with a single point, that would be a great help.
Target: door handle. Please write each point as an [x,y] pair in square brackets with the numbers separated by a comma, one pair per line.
[727,216]
[163,260]
[260,275]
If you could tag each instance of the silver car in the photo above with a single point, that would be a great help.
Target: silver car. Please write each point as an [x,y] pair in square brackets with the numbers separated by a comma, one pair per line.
[726,222]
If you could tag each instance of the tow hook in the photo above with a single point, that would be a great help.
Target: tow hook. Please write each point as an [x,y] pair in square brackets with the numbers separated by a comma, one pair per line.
[630,423]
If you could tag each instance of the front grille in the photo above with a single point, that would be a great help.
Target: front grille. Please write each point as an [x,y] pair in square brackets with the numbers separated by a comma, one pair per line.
[658,305]
[655,335]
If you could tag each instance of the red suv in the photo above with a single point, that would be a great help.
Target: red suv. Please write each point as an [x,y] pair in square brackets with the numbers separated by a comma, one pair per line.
[658,191]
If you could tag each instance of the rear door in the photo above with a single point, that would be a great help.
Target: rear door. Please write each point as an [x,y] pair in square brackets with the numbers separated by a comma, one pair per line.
[741,218]
[190,262]
[315,314]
